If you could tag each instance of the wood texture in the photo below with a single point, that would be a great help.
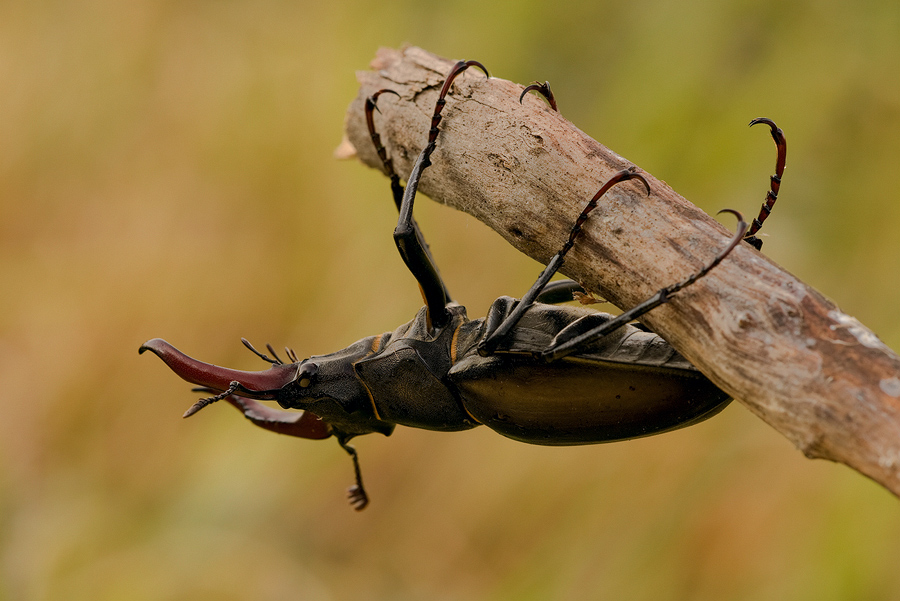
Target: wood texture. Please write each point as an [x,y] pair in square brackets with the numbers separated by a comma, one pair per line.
[785,351]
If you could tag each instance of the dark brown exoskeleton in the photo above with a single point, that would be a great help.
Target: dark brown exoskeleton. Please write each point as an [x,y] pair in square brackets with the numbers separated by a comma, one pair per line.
[532,370]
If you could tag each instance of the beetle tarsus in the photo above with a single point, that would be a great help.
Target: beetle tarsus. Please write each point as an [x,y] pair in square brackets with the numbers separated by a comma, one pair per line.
[445,89]
[370,107]
[544,90]
[356,494]
[774,181]
[357,497]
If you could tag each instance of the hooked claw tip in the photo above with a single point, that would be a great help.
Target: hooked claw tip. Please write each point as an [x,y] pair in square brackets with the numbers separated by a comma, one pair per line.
[476,64]
[627,174]
[537,87]
[777,132]
[372,101]
[733,212]
[768,122]
[385,91]
[525,91]
[456,70]
[742,225]
[544,90]
[644,180]
[357,497]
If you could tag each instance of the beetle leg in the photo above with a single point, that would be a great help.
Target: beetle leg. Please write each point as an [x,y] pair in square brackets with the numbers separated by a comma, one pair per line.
[544,90]
[370,107]
[396,189]
[232,388]
[356,494]
[493,337]
[561,346]
[408,242]
[774,181]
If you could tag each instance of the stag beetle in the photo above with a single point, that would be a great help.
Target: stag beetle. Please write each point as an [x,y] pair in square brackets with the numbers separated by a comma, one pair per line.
[532,370]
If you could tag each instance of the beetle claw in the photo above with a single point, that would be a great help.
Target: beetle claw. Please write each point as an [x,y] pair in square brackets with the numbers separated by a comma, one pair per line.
[372,101]
[371,106]
[774,180]
[544,90]
[441,101]
[357,497]
[356,494]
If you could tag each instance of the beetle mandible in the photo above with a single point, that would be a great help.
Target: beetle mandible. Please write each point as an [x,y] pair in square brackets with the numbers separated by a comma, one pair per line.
[532,370]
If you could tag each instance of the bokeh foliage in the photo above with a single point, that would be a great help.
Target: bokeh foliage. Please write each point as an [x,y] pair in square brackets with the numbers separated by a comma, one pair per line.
[166,170]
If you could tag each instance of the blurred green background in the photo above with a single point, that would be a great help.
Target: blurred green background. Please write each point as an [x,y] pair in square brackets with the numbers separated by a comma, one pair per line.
[166,170]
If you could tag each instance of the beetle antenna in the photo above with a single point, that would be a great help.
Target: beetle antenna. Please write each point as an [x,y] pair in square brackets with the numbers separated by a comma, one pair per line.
[774,181]
[263,356]
[274,354]
[291,354]
[232,388]
[544,90]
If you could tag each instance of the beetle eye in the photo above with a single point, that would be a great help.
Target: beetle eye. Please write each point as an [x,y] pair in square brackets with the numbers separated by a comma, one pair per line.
[307,374]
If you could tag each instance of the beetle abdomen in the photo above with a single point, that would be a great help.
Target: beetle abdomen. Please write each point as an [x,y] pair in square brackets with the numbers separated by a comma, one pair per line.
[582,400]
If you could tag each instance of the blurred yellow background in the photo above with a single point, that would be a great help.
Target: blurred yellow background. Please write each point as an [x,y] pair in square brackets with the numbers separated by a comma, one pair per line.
[166,170]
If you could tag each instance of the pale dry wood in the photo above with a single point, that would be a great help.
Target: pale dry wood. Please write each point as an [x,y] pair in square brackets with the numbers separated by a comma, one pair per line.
[790,355]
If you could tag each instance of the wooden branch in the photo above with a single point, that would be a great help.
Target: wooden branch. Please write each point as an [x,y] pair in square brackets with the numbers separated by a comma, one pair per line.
[791,356]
